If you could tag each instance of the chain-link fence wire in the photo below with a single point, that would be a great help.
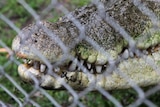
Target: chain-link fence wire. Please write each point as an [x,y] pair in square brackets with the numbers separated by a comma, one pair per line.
[18,93]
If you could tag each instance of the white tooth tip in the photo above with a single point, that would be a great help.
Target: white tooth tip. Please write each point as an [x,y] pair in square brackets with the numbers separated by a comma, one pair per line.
[125,54]
[24,60]
[131,54]
[81,62]
[57,69]
[89,65]
[30,62]
[79,69]
[42,68]
[75,60]
[72,67]
[98,69]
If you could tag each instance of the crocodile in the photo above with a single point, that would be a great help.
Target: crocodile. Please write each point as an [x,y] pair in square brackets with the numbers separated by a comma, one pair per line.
[71,42]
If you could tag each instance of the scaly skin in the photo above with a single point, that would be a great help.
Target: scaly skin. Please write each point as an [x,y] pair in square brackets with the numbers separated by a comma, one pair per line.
[131,19]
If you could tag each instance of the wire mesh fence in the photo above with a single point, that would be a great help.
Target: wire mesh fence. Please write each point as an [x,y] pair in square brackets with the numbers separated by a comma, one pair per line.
[105,53]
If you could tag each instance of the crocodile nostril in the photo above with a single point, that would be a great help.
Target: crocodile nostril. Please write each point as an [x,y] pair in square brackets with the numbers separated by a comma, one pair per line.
[35,41]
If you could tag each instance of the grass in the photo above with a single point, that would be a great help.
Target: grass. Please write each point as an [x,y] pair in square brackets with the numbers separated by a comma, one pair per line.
[20,17]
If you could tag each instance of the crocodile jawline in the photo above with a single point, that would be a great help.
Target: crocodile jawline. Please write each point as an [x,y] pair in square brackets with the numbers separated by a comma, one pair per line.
[81,65]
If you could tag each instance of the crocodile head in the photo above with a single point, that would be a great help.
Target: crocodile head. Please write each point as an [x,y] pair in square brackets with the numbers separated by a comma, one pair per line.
[37,43]
[34,44]
[46,40]
[33,40]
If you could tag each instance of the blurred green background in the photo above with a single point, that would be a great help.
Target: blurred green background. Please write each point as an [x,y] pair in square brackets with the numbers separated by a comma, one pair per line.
[16,13]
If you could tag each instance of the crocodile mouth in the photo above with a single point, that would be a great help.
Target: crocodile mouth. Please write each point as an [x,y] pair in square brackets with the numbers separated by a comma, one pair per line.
[77,64]
[81,65]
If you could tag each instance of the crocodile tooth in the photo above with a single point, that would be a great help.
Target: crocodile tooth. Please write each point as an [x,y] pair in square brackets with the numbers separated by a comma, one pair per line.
[125,54]
[30,62]
[73,65]
[42,67]
[131,54]
[25,61]
[57,69]
[89,65]
[98,69]
[79,69]
[81,62]
[36,65]
[91,71]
